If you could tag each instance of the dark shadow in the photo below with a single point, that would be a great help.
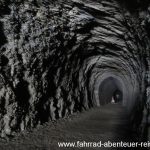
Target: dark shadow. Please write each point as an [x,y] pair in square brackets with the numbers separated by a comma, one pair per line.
[3,37]
[110,88]
[3,60]
[118,96]
[23,95]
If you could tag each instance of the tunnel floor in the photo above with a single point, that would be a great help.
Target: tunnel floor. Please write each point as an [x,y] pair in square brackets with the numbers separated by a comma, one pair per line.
[109,122]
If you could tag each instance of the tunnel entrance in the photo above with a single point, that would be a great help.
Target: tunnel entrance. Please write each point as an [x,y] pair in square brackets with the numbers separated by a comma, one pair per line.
[110,91]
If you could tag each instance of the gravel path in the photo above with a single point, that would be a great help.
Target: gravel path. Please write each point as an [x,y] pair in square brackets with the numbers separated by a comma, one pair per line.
[101,124]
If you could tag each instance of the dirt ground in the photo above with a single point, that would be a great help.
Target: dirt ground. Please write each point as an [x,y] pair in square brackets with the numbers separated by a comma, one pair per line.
[100,124]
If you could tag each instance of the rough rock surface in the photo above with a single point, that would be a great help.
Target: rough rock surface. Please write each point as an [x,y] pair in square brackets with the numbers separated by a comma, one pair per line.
[55,55]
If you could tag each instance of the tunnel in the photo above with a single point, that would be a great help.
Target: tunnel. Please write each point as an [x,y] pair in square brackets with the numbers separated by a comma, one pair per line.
[108,89]
[104,81]
[71,57]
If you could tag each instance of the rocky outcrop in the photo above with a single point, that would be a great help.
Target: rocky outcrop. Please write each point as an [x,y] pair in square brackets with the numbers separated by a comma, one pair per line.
[56,55]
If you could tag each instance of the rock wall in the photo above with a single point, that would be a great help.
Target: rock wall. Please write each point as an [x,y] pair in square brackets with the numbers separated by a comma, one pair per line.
[55,56]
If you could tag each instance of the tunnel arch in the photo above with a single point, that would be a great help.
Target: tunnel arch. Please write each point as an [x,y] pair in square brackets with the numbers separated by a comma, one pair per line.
[129,89]
[123,85]
[96,70]
[107,89]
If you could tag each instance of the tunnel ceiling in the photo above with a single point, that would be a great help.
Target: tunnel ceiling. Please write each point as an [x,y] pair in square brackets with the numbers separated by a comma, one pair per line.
[55,57]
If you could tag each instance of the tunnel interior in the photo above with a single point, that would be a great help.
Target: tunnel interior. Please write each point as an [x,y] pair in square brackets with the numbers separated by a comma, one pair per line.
[94,53]
[107,82]
[110,88]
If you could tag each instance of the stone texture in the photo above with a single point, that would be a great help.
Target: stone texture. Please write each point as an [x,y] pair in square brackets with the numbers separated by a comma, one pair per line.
[54,56]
